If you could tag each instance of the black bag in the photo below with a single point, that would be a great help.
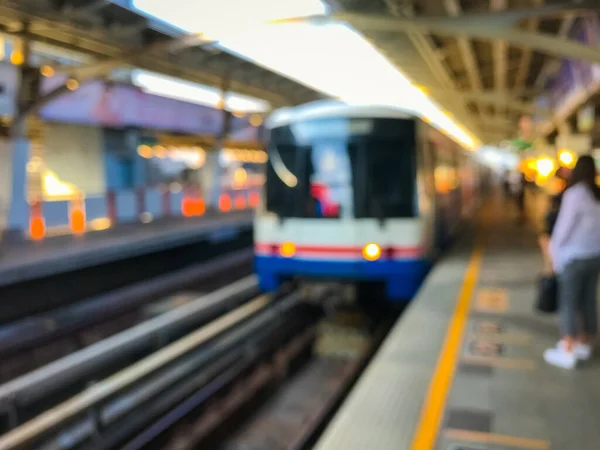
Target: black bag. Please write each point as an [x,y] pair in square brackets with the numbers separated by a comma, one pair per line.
[547,296]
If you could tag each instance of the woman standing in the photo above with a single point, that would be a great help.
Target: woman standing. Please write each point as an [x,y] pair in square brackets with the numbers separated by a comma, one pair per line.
[575,251]
[561,177]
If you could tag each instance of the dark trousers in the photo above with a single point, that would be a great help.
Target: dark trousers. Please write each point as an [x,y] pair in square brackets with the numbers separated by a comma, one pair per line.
[578,288]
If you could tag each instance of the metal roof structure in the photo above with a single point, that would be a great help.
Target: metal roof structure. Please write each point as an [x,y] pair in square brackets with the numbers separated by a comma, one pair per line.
[114,35]
[483,61]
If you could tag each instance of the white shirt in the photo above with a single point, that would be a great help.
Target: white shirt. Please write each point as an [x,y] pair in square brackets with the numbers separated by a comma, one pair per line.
[576,234]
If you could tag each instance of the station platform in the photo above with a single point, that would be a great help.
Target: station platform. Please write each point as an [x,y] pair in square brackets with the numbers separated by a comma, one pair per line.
[24,260]
[462,369]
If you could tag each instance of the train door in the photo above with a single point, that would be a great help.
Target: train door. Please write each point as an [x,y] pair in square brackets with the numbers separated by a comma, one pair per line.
[439,208]
[426,195]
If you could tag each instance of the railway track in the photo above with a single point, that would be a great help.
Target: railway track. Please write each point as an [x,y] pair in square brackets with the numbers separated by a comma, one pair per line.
[32,342]
[23,299]
[272,368]
[34,392]
[294,415]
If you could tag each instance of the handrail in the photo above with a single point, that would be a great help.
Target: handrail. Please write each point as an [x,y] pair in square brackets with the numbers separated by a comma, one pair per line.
[80,403]
[59,373]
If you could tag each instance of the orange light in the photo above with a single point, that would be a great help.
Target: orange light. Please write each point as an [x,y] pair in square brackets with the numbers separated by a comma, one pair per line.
[225,203]
[47,71]
[160,152]
[371,252]
[253,199]
[17,58]
[145,151]
[72,84]
[240,202]
[287,250]
[256,120]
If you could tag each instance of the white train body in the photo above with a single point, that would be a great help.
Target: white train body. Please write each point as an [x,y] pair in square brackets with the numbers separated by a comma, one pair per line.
[359,194]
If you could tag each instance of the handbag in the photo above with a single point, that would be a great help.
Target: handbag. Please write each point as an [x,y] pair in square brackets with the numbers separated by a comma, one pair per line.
[547,295]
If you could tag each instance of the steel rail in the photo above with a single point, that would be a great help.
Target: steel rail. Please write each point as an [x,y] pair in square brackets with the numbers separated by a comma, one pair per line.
[20,437]
[58,374]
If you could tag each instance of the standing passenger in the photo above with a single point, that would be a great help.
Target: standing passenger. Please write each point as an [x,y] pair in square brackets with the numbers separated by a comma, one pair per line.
[562,177]
[575,251]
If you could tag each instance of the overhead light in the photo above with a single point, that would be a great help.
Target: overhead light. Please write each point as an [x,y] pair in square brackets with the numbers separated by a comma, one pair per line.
[567,158]
[17,58]
[47,71]
[72,84]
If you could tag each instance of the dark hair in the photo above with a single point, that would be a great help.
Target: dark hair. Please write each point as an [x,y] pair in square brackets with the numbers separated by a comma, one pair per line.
[585,172]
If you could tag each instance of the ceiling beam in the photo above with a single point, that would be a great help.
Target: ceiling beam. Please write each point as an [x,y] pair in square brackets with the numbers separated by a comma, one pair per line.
[498,99]
[526,54]
[500,51]
[424,44]
[548,68]
[543,42]
[90,7]
[103,67]
[465,48]
[503,19]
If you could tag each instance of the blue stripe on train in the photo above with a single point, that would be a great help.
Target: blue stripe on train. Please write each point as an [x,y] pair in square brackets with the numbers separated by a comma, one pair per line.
[401,277]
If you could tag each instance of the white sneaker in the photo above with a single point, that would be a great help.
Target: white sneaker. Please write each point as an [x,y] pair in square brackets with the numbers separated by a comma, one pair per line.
[560,357]
[582,352]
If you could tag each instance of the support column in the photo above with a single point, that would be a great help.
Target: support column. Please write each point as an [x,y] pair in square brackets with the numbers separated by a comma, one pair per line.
[212,170]
[27,146]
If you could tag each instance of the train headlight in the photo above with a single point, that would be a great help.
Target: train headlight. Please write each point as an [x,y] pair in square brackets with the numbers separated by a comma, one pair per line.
[287,250]
[371,252]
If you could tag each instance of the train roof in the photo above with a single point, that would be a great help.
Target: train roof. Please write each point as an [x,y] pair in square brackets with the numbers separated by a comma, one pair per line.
[324,109]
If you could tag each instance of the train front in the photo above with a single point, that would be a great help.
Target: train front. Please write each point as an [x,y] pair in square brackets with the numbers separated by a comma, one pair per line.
[340,203]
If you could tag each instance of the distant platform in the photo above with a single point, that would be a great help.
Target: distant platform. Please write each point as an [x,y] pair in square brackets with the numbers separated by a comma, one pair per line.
[463,368]
[26,260]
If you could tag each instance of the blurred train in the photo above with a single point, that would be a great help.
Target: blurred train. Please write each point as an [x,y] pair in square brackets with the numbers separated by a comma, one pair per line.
[359,194]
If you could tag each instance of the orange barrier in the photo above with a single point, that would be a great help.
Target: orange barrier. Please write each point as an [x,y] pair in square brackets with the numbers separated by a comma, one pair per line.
[191,206]
[240,202]
[77,216]
[253,199]
[37,224]
[225,202]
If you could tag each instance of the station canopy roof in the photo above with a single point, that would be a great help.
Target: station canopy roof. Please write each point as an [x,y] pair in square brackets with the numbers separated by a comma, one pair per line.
[471,67]
[484,61]
[115,35]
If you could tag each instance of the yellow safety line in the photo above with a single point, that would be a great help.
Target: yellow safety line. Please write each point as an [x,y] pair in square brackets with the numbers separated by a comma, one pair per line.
[497,439]
[435,403]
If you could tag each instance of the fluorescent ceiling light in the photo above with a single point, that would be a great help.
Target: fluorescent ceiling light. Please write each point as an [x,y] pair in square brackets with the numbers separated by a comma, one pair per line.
[194,93]
[331,58]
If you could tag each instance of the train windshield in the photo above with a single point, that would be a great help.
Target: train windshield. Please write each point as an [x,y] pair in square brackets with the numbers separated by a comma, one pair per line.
[311,181]
[335,169]
[389,180]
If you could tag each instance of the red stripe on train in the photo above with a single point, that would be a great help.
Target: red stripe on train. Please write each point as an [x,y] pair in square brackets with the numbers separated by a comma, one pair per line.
[394,251]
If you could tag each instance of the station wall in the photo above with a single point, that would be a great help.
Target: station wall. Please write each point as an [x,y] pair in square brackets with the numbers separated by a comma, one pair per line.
[75,154]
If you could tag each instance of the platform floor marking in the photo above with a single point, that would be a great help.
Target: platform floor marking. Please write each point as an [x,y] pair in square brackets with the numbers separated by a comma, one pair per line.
[496,439]
[491,300]
[505,338]
[500,362]
[427,430]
